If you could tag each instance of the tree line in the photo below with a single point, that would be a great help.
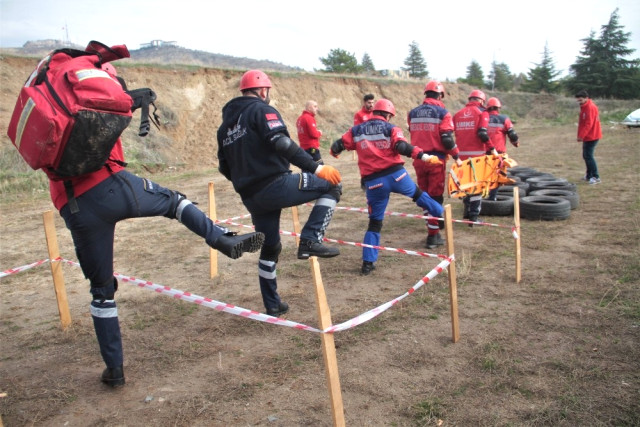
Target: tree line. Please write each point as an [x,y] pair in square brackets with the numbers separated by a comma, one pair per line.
[601,68]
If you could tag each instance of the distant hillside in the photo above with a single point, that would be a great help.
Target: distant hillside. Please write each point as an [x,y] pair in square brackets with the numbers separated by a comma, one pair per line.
[164,54]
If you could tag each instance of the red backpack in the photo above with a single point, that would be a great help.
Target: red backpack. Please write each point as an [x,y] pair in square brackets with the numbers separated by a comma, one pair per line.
[71,112]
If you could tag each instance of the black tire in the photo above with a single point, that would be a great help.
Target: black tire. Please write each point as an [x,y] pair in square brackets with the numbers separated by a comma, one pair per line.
[517,170]
[552,185]
[507,189]
[503,206]
[538,183]
[526,177]
[544,208]
[571,196]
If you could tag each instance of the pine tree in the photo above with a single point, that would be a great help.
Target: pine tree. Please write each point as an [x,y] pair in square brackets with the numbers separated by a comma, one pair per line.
[340,61]
[475,76]
[367,64]
[500,77]
[415,63]
[541,78]
[602,69]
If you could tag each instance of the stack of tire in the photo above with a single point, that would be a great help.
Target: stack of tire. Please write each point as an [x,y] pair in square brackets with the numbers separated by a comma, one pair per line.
[542,196]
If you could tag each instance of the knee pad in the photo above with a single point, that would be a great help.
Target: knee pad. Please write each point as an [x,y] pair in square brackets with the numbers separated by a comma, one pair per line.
[270,253]
[104,290]
[375,225]
[416,194]
[336,191]
[439,199]
[178,202]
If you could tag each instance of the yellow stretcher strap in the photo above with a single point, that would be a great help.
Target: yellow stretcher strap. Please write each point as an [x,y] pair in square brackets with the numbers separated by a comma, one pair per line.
[479,175]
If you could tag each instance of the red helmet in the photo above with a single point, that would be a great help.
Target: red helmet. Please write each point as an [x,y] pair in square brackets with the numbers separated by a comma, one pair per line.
[478,94]
[109,68]
[253,79]
[434,86]
[385,105]
[494,102]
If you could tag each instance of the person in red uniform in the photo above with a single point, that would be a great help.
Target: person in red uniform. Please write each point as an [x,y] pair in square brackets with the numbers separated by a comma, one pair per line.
[92,206]
[471,126]
[500,127]
[366,112]
[589,133]
[431,128]
[379,145]
[308,132]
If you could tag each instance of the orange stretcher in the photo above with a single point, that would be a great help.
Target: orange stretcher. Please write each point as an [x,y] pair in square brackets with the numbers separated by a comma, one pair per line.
[479,175]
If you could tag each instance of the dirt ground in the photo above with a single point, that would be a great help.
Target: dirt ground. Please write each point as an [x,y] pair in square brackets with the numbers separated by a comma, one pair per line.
[559,348]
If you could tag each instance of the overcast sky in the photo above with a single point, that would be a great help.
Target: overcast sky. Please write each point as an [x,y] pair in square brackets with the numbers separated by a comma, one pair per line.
[297,33]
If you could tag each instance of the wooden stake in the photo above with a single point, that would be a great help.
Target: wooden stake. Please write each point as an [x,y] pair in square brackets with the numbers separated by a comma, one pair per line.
[328,346]
[56,268]
[296,223]
[516,222]
[453,287]
[213,254]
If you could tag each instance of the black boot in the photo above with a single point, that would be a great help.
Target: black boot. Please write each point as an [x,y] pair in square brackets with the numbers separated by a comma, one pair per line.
[113,377]
[367,268]
[309,248]
[434,241]
[281,309]
[234,245]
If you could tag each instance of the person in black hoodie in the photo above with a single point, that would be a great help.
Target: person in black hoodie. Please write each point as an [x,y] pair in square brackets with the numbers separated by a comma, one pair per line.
[255,152]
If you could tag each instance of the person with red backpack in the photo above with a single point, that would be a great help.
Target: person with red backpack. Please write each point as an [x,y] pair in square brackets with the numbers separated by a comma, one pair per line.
[431,128]
[379,145]
[471,129]
[500,127]
[100,200]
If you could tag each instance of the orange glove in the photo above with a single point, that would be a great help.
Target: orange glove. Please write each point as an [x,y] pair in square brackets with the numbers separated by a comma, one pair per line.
[329,173]
[431,159]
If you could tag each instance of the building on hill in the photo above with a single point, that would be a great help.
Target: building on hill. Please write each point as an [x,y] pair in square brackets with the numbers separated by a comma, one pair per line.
[158,43]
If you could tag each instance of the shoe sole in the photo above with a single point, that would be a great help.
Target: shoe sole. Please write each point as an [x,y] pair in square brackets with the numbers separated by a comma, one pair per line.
[307,255]
[251,244]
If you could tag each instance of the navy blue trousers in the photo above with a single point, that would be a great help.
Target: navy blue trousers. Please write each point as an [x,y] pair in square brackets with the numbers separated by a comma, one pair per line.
[120,197]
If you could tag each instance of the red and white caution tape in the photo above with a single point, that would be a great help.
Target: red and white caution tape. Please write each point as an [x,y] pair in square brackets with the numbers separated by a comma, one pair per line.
[407,215]
[364,317]
[344,242]
[251,314]
[22,268]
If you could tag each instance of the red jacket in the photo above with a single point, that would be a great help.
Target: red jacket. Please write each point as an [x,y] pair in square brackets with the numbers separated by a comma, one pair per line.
[589,122]
[426,123]
[362,116]
[308,133]
[84,183]
[499,127]
[467,122]
[375,142]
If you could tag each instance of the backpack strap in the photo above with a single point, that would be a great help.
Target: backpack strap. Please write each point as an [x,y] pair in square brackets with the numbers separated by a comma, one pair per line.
[71,199]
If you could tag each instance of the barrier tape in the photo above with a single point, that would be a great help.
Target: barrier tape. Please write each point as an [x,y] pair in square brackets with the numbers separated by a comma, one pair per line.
[22,268]
[254,315]
[344,242]
[407,215]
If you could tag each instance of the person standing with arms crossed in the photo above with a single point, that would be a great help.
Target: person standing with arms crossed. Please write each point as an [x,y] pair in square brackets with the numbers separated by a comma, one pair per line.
[589,133]
[308,133]
[379,145]
[431,128]
[500,127]
[255,153]
[366,112]
[471,126]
